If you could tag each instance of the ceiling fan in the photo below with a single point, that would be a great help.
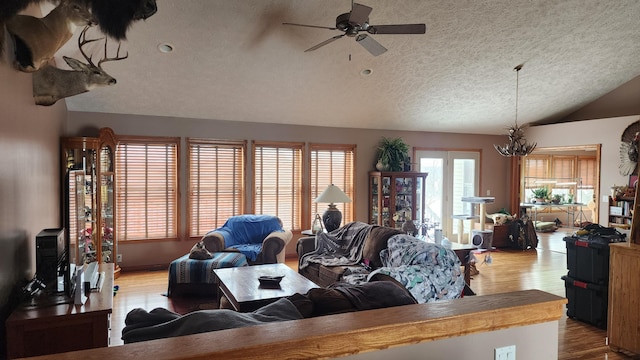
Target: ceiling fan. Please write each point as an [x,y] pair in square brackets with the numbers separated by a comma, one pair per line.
[357,21]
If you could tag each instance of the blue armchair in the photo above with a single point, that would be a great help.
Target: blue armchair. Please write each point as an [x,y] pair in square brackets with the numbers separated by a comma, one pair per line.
[260,238]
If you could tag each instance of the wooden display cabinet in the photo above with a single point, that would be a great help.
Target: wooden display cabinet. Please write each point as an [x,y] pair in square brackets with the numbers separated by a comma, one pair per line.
[89,206]
[396,197]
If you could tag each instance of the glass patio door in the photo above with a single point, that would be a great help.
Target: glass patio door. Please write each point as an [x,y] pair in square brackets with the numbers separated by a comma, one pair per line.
[452,175]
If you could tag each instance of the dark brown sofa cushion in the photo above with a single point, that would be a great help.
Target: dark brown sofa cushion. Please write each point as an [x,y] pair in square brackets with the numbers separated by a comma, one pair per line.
[377,241]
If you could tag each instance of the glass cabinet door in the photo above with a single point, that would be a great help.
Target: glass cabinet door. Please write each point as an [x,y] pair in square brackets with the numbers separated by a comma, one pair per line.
[403,201]
[107,205]
[374,200]
[419,200]
[79,199]
[106,200]
[386,201]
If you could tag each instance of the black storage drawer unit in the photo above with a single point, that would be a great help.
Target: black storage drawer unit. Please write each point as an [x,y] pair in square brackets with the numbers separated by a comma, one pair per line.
[586,301]
[588,259]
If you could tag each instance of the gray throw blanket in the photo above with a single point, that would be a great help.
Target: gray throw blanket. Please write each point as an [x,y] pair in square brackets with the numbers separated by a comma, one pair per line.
[161,323]
[339,247]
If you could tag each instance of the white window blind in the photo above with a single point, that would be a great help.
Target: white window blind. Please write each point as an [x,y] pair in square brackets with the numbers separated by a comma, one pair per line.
[146,188]
[332,164]
[278,181]
[216,183]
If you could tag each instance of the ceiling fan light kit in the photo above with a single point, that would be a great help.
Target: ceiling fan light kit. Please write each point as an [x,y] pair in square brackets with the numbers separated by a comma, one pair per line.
[356,21]
[517,145]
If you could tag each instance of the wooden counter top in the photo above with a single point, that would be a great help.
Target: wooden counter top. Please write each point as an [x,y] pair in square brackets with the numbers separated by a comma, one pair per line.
[350,333]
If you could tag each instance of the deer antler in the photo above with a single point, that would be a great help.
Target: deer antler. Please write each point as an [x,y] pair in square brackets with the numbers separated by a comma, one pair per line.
[82,41]
[106,59]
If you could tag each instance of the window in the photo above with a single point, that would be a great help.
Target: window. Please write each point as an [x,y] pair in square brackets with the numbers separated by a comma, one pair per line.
[566,170]
[452,176]
[278,181]
[147,188]
[216,183]
[332,164]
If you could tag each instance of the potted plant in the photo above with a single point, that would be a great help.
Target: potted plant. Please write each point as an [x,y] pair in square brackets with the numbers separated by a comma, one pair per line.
[557,198]
[540,194]
[392,154]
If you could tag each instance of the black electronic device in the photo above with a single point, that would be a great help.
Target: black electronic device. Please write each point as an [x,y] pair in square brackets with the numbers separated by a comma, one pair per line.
[50,251]
[52,261]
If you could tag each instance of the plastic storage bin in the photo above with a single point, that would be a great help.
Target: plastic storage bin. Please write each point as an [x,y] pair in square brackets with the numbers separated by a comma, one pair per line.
[586,301]
[588,259]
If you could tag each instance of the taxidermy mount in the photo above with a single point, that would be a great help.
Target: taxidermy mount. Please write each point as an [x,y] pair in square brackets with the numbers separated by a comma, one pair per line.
[114,17]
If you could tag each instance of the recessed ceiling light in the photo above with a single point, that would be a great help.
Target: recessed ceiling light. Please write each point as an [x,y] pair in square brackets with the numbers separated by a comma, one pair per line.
[165,48]
[366,72]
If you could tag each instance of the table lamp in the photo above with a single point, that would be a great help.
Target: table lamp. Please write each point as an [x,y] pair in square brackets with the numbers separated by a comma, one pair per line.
[332,217]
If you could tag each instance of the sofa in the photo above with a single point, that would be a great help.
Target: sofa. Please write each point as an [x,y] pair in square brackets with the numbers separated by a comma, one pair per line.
[359,253]
[374,241]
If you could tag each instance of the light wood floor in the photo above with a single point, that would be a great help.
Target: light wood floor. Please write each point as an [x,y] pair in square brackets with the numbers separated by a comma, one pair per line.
[510,270]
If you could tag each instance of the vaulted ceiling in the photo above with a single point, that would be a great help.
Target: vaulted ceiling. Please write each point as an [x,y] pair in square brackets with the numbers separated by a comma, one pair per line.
[234,60]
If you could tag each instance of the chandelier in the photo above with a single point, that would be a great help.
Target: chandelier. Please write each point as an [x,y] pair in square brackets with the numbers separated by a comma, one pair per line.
[517,145]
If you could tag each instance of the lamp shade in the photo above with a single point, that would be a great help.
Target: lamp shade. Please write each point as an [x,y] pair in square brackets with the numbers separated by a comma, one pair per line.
[332,195]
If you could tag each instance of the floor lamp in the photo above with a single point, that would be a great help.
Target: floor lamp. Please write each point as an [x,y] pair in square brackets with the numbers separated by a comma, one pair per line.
[332,217]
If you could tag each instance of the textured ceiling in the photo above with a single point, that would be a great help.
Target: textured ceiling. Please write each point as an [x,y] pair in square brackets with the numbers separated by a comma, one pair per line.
[234,60]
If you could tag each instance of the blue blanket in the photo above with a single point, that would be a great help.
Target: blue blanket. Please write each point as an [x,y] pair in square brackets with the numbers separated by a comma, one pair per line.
[246,232]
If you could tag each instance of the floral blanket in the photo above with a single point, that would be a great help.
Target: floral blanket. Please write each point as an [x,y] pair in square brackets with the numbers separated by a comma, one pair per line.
[430,272]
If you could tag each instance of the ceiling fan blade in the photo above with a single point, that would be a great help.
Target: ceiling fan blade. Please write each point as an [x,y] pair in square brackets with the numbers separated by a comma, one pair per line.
[371,45]
[398,29]
[312,26]
[359,14]
[325,43]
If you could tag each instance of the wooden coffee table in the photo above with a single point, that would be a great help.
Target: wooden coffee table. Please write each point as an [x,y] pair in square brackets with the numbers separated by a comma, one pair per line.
[242,289]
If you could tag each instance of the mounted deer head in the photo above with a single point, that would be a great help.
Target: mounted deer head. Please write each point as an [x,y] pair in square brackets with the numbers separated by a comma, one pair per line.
[38,39]
[51,84]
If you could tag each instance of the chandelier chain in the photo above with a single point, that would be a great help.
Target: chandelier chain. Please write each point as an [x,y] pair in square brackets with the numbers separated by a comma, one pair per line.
[517,70]
[517,145]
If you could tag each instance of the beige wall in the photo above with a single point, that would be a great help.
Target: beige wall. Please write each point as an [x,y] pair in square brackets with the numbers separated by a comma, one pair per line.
[29,173]
[494,168]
